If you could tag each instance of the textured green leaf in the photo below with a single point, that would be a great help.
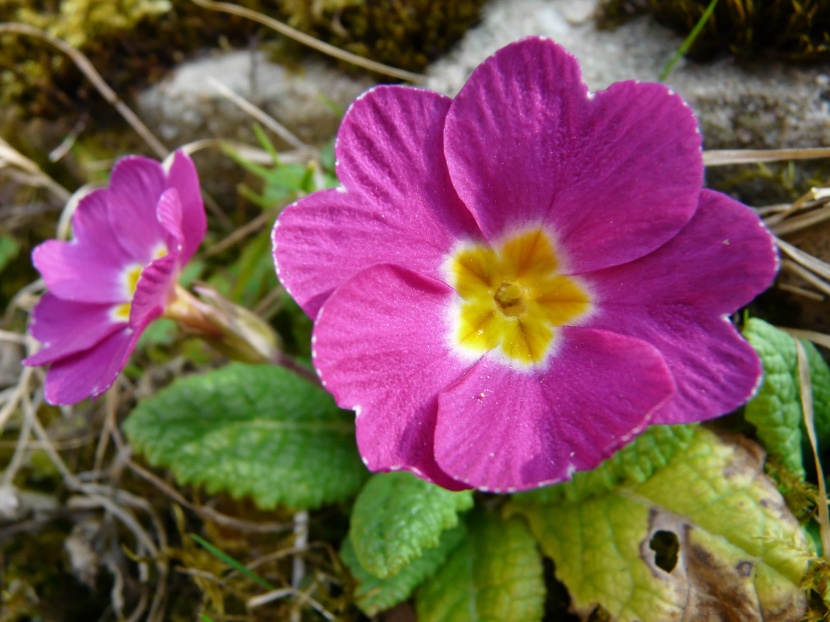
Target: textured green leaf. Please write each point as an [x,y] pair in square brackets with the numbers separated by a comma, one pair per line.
[636,462]
[251,430]
[397,517]
[495,575]
[374,595]
[776,410]
[741,555]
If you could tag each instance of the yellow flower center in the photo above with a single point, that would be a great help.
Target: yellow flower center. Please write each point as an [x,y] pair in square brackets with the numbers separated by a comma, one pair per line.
[512,297]
[129,279]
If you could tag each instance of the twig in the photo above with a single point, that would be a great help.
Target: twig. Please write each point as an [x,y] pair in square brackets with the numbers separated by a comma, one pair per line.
[267,120]
[66,144]
[35,175]
[86,67]
[11,337]
[270,304]
[111,500]
[788,226]
[302,597]
[20,450]
[311,42]
[813,264]
[801,291]
[20,390]
[298,560]
[110,407]
[820,339]
[723,157]
[203,511]
[819,283]
[238,234]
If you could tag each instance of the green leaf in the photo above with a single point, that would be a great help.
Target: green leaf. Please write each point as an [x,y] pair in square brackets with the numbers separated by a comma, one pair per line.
[253,272]
[495,575]
[374,594]
[635,463]
[776,410]
[707,537]
[397,517]
[280,181]
[251,430]
[9,249]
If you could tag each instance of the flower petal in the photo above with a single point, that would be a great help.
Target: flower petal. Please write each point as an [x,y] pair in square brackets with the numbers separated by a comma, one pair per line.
[612,176]
[380,348]
[718,263]
[135,186]
[81,272]
[675,298]
[397,204]
[91,372]
[503,430]
[170,215]
[183,177]
[91,227]
[65,328]
[158,278]
[715,369]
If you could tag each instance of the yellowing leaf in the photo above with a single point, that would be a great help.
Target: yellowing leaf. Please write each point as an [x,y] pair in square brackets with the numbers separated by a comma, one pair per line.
[707,537]
[495,575]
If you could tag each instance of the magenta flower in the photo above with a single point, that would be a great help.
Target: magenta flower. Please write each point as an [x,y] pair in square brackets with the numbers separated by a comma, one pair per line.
[510,285]
[116,275]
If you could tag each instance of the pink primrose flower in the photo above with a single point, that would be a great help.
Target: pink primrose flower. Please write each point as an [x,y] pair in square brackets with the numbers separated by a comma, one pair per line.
[512,284]
[116,275]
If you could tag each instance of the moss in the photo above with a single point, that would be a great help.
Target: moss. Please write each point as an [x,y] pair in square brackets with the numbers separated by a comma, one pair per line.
[403,33]
[134,42]
[796,30]
[130,42]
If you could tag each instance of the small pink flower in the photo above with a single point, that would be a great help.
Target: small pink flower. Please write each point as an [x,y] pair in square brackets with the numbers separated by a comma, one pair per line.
[116,275]
[510,285]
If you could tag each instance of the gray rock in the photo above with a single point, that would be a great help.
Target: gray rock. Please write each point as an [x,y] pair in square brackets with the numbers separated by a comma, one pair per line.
[740,105]
[187,107]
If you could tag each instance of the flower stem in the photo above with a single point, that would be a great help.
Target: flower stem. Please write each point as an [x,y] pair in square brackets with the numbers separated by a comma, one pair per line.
[232,330]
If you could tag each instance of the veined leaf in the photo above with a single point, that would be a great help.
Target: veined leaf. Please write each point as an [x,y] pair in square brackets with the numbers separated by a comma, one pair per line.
[255,430]
[374,595]
[495,575]
[397,517]
[776,410]
[707,537]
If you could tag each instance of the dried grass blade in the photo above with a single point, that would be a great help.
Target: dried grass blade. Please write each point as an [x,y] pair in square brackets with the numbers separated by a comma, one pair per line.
[807,410]
[724,157]
[819,283]
[268,121]
[320,46]
[87,68]
[814,264]
[820,339]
